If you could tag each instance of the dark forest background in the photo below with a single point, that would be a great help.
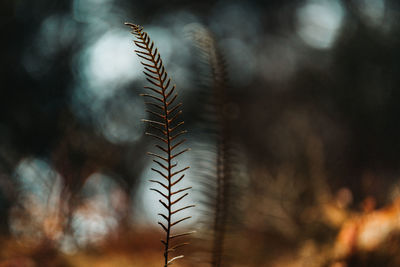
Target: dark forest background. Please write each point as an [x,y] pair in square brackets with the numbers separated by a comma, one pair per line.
[313,101]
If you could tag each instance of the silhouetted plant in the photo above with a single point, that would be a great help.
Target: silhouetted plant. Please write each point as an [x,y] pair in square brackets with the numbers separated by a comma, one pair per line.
[166,128]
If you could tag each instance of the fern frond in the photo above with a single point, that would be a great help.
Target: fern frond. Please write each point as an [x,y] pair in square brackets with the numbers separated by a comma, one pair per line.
[166,121]
[212,56]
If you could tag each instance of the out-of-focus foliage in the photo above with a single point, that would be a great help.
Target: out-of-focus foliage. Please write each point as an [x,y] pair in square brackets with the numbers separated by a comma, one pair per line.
[312,98]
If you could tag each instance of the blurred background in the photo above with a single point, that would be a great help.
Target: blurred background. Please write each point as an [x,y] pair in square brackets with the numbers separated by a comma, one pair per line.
[312,102]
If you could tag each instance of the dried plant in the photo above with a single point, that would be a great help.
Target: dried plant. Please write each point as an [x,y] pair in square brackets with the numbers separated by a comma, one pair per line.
[166,128]
[221,202]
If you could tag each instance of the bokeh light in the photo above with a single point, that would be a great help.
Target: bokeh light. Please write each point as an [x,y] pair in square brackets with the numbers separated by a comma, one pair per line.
[372,11]
[37,214]
[319,22]
[103,204]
